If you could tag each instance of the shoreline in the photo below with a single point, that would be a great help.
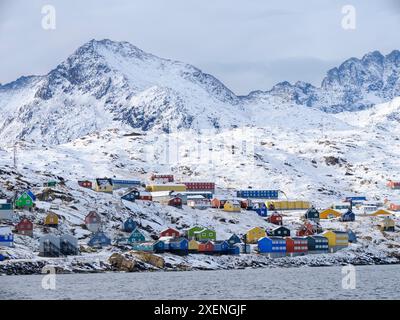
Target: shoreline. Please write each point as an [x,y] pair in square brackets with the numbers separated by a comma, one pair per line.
[134,262]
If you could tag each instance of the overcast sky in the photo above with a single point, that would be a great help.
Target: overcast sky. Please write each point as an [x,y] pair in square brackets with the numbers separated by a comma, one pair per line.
[247,44]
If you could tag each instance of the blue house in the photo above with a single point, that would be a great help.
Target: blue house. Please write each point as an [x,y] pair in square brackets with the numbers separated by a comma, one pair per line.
[136,236]
[118,184]
[258,194]
[235,249]
[99,240]
[30,194]
[274,246]
[262,210]
[129,225]
[348,216]
[6,237]
[179,246]
[352,236]
[159,246]
[221,247]
[233,240]
[131,195]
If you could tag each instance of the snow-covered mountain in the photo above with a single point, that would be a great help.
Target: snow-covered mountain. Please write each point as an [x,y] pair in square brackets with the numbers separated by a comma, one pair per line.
[107,84]
[355,85]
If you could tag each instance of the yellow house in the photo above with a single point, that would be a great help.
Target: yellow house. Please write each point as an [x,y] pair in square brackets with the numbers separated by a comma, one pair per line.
[331,236]
[254,234]
[166,187]
[381,212]
[289,204]
[342,238]
[51,219]
[329,214]
[193,245]
[232,206]
[387,224]
[103,185]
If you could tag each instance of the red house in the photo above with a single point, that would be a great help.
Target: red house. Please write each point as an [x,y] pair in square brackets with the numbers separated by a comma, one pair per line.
[92,218]
[175,202]
[218,203]
[308,229]
[85,184]
[206,247]
[25,227]
[275,218]
[296,245]
[145,196]
[200,186]
[170,232]
[162,177]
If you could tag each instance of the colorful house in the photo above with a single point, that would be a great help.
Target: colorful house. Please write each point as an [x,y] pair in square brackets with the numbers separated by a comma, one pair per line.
[205,235]
[273,246]
[232,206]
[6,237]
[159,246]
[49,246]
[234,239]
[254,234]
[279,232]
[146,196]
[200,186]
[162,177]
[136,236]
[51,220]
[129,225]
[93,221]
[190,233]
[103,185]
[329,214]
[218,202]
[99,240]
[296,246]
[25,227]
[68,245]
[179,246]
[336,239]
[221,247]
[387,224]
[85,184]
[175,202]
[275,218]
[119,184]
[193,246]
[309,228]
[393,184]
[198,202]
[258,194]
[317,244]
[170,232]
[348,216]
[131,195]
[25,200]
[143,246]
[235,249]
[50,184]
[166,187]
[352,236]
[312,214]
[206,247]
[262,210]
[381,212]
[6,210]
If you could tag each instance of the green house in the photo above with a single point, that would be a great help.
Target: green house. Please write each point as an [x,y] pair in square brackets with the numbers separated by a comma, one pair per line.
[190,233]
[136,236]
[205,235]
[51,183]
[25,200]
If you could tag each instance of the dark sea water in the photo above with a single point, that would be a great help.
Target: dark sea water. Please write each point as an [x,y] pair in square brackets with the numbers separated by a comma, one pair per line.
[371,282]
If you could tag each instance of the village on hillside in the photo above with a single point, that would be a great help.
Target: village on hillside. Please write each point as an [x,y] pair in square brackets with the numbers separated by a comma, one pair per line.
[320,230]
